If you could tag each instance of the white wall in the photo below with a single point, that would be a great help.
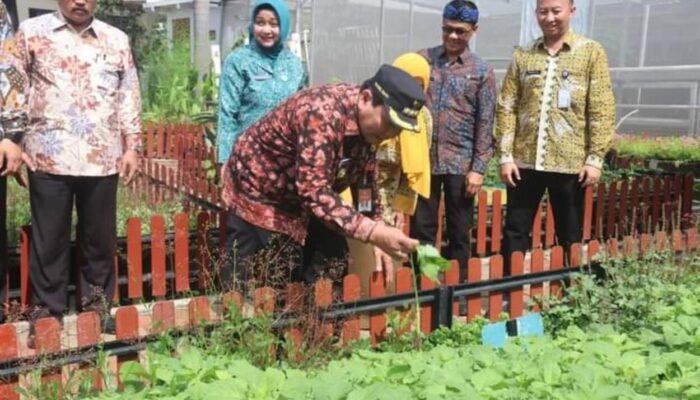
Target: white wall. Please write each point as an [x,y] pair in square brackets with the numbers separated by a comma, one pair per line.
[23,7]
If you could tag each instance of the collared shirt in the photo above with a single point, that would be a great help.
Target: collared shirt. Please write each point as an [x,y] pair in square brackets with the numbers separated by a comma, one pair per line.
[462,100]
[295,160]
[556,112]
[84,103]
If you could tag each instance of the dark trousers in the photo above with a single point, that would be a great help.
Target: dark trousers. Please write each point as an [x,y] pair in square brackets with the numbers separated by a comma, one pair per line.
[325,254]
[52,198]
[459,212]
[566,196]
[256,256]
[3,246]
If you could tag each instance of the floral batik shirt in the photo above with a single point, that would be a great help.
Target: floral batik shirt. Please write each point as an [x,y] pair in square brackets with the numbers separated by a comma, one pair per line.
[296,160]
[462,101]
[556,112]
[83,97]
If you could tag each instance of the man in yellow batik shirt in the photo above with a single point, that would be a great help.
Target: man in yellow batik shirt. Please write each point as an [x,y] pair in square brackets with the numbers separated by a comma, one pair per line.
[554,123]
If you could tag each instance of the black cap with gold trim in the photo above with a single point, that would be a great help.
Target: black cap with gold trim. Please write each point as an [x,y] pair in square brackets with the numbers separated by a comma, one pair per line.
[402,95]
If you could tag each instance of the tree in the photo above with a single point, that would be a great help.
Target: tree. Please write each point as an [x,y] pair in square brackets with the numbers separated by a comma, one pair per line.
[127,17]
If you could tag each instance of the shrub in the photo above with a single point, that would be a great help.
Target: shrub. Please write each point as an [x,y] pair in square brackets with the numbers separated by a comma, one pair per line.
[675,148]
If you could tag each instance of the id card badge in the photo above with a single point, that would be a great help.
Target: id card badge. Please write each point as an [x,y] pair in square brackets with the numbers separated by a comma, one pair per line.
[564,101]
[364,199]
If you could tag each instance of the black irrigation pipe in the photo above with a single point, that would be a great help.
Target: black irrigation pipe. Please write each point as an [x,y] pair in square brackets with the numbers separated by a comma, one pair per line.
[465,289]
[186,193]
[203,203]
[80,355]
[85,354]
[441,298]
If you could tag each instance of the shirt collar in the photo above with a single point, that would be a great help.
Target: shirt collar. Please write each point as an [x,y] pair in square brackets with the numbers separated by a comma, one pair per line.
[442,54]
[569,41]
[59,22]
[570,38]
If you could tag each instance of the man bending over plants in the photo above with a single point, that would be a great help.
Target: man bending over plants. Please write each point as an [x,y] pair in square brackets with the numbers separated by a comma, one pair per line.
[293,162]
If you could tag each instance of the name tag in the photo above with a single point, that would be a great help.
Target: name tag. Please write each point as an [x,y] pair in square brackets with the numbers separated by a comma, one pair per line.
[564,101]
[364,199]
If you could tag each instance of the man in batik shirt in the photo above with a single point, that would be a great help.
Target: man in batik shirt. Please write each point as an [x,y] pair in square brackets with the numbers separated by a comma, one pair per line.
[84,133]
[294,162]
[462,101]
[554,124]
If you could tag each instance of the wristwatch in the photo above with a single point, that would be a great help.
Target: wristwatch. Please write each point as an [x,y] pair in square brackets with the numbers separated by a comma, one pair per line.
[13,128]
[133,142]
[136,147]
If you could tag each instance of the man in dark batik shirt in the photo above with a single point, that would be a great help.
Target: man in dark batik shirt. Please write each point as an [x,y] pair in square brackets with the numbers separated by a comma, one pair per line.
[293,163]
[462,99]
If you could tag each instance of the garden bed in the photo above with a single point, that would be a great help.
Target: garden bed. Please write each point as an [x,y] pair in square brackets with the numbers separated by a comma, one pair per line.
[628,331]
[631,335]
[669,154]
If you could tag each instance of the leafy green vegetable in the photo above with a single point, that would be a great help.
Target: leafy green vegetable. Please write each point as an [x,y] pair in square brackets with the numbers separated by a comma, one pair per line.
[431,262]
[634,336]
[658,357]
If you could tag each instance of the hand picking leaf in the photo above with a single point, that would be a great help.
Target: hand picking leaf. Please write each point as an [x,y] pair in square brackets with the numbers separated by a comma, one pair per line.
[431,263]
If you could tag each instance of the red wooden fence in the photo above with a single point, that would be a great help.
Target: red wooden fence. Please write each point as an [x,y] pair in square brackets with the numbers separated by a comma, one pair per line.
[135,324]
[176,155]
[622,208]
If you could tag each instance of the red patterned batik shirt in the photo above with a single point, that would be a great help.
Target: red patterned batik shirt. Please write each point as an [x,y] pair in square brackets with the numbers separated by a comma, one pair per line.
[293,162]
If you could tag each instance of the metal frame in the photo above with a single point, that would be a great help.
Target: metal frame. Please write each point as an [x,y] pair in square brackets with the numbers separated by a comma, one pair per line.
[692,123]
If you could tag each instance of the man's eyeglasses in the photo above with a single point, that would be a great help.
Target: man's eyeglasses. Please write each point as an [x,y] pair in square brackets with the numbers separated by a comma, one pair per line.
[448,30]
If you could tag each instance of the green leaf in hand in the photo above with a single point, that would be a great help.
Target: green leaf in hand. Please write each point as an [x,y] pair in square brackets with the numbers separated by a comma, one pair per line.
[431,262]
